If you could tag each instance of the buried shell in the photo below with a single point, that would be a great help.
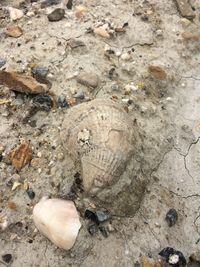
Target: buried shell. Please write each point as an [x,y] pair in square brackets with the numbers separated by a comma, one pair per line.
[58,220]
[99,134]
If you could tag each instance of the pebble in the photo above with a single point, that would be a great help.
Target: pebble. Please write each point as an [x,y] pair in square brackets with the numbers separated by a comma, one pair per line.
[79,95]
[101,31]
[93,229]
[126,56]
[47,3]
[74,43]
[90,215]
[102,215]
[173,257]
[14,31]
[157,72]
[191,36]
[185,22]
[7,258]
[185,9]
[171,217]
[40,74]
[30,193]
[103,231]
[2,62]
[56,15]
[15,13]
[70,4]
[43,102]
[88,79]
[62,102]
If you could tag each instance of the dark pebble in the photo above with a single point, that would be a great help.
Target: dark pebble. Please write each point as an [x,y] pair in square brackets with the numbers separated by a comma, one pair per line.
[2,62]
[90,215]
[168,254]
[102,215]
[79,95]
[56,15]
[103,231]
[40,74]
[7,258]
[47,3]
[171,217]
[70,4]
[30,193]
[43,101]
[62,103]
[93,229]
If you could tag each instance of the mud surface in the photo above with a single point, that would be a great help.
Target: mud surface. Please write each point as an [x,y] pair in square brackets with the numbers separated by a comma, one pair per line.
[165,112]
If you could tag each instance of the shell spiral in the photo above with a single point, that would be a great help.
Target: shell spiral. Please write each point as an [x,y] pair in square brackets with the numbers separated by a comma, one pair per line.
[99,135]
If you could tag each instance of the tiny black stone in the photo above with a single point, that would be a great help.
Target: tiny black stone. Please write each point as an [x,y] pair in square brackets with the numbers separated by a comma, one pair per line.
[40,74]
[30,193]
[47,3]
[43,101]
[92,229]
[125,25]
[90,215]
[7,258]
[70,4]
[171,217]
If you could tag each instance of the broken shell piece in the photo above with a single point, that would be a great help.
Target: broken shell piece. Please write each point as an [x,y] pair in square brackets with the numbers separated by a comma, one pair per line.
[98,134]
[101,31]
[58,220]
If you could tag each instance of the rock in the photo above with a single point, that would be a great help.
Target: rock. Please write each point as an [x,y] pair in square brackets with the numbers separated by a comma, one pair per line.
[185,22]
[88,79]
[15,13]
[58,220]
[185,9]
[103,231]
[173,257]
[195,257]
[74,43]
[90,215]
[190,36]
[40,74]
[7,258]
[101,31]
[43,101]
[102,215]
[157,72]
[62,103]
[21,155]
[171,217]
[69,4]
[2,62]
[126,56]
[56,15]
[47,3]
[79,95]
[93,229]
[30,193]
[21,83]
[14,31]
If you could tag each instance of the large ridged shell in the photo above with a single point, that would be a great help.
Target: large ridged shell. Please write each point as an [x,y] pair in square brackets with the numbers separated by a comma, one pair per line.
[99,134]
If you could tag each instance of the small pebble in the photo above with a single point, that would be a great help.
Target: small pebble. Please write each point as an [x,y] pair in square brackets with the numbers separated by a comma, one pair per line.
[2,62]
[103,231]
[93,229]
[43,101]
[62,103]
[80,95]
[173,257]
[102,215]
[88,79]
[56,15]
[30,193]
[90,215]
[40,74]
[47,3]
[171,217]
[70,4]
[7,258]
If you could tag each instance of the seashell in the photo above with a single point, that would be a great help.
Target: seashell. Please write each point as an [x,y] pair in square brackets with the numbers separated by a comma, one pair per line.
[99,134]
[58,220]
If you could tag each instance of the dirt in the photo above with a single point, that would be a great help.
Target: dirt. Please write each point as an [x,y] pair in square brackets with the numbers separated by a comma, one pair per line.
[165,111]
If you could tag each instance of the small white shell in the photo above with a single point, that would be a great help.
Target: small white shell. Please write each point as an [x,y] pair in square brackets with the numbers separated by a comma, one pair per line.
[58,220]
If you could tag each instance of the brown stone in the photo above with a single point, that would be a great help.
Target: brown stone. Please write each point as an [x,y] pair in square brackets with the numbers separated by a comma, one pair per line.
[21,155]
[14,31]
[88,79]
[157,72]
[21,83]
[185,9]
[190,36]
